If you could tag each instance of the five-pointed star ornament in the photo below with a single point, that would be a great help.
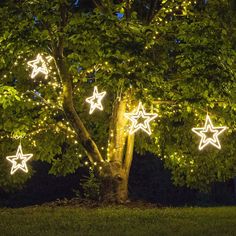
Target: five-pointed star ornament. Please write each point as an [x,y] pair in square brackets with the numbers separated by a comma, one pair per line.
[140,120]
[19,160]
[95,100]
[39,65]
[209,134]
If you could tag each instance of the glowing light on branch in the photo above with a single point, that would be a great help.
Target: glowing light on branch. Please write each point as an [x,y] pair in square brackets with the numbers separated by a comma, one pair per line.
[39,65]
[95,100]
[19,160]
[140,120]
[209,134]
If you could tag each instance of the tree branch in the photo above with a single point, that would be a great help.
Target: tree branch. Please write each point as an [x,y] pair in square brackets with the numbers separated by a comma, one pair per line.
[127,9]
[71,114]
[151,12]
[68,105]
[164,102]
[117,136]
[105,6]
[129,153]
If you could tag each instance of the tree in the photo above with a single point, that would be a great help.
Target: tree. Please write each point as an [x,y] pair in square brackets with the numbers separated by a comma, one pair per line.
[176,57]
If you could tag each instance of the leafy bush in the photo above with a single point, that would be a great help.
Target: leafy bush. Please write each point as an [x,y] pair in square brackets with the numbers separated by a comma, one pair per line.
[91,187]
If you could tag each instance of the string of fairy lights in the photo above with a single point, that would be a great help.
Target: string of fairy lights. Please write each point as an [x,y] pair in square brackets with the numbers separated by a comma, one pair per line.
[139,118]
[170,9]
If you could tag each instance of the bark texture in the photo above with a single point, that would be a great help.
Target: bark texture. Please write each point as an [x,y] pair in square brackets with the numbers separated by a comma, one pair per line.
[116,173]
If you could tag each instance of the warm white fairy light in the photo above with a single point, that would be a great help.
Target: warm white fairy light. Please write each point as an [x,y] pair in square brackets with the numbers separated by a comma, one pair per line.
[206,130]
[95,100]
[19,160]
[39,65]
[145,118]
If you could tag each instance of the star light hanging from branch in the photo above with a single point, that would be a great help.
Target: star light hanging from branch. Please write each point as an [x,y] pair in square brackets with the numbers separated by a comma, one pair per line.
[95,100]
[39,65]
[140,120]
[19,160]
[209,134]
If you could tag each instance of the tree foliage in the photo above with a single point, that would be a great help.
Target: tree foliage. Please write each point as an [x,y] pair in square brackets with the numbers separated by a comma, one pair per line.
[177,57]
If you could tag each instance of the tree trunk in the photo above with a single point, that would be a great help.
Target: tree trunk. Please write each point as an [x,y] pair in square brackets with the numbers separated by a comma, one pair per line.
[115,174]
[114,186]
[116,169]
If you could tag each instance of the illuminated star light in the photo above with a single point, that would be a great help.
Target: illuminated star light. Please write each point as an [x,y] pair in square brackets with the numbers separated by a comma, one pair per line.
[209,128]
[95,100]
[19,160]
[145,117]
[39,66]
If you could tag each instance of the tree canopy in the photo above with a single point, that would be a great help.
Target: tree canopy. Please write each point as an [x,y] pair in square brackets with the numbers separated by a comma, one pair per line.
[177,57]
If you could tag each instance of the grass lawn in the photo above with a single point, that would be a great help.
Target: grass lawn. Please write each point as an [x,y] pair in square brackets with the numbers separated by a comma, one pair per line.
[118,221]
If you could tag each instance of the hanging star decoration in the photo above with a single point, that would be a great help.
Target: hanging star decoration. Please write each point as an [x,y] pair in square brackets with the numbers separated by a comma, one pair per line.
[209,134]
[95,100]
[19,160]
[140,120]
[39,65]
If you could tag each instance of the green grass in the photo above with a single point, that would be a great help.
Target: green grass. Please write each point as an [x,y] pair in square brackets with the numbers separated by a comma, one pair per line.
[120,221]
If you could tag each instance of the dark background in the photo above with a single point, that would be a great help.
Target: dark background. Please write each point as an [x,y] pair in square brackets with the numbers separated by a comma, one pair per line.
[149,182]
